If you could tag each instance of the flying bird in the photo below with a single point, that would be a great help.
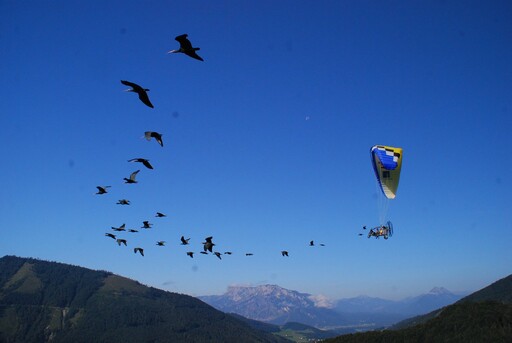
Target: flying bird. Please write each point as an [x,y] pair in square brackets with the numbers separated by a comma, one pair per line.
[142,92]
[132,177]
[311,243]
[139,250]
[228,253]
[151,134]
[146,225]
[218,255]
[364,227]
[121,228]
[184,241]
[284,253]
[102,189]
[121,241]
[203,252]
[123,202]
[186,47]
[144,161]
[191,254]
[133,230]
[111,235]
[208,244]
[160,215]
[249,254]
[160,243]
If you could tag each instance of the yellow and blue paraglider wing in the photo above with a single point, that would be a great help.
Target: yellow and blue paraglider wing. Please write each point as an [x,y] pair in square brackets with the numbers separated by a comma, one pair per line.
[387,163]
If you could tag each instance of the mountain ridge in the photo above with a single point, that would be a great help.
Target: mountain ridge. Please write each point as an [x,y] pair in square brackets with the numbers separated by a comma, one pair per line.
[274,304]
[482,316]
[43,301]
[277,305]
[498,291]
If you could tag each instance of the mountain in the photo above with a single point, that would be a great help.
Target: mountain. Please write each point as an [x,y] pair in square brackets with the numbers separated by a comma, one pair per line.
[484,316]
[276,305]
[47,301]
[379,312]
[499,291]
[436,298]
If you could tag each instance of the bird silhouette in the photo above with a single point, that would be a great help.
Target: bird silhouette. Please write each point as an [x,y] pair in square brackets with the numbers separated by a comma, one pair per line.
[121,241]
[142,92]
[121,228]
[146,225]
[249,254]
[151,134]
[218,255]
[228,253]
[203,252]
[184,241]
[139,250]
[144,161]
[133,230]
[102,189]
[132,177]
[284,253]
[311,243]
[191,254]
[186,47]
[160,243]
[160,215]
[111,235]
[123,202]
[208,244]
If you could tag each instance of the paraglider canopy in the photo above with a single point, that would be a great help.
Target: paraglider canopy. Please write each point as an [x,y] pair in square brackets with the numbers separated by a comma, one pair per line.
[387,163]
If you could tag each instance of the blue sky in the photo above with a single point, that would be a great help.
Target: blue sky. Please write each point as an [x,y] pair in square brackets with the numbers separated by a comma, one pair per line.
[266,143]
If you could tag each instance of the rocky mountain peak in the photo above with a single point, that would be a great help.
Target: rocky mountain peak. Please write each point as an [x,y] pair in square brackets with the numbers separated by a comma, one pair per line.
[274,304]
[237,293]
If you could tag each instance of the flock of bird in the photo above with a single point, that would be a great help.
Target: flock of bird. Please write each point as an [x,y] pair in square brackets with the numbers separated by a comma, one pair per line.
[208,245]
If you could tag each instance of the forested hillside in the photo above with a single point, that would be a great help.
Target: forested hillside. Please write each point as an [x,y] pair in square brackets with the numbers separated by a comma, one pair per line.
[46,301]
